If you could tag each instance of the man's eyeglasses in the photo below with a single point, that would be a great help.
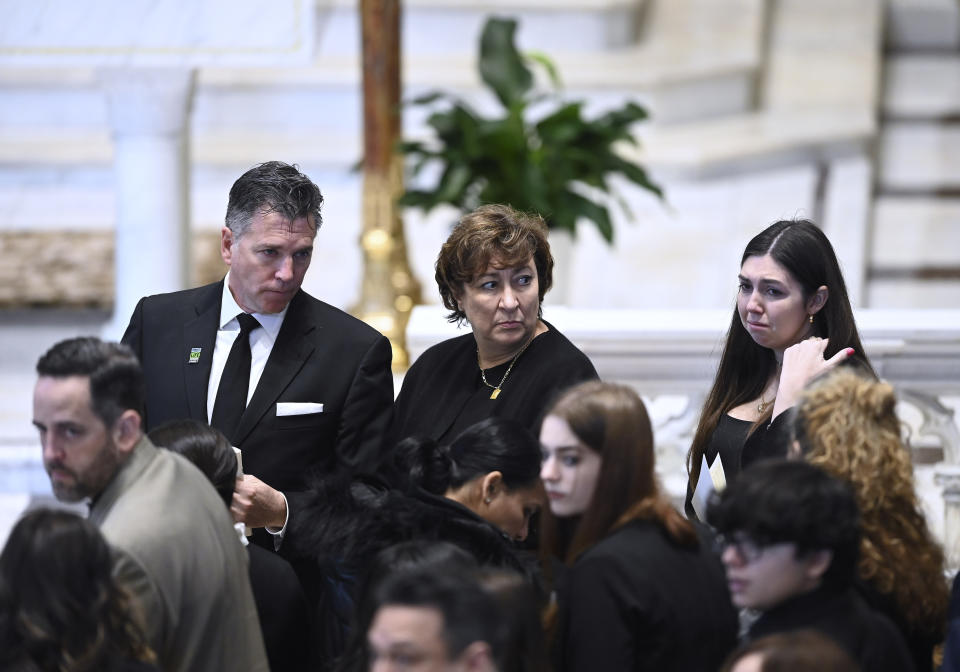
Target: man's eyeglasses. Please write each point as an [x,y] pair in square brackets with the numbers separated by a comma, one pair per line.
[747,549]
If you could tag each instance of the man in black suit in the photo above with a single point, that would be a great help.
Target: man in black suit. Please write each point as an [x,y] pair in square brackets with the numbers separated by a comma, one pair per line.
[317,382]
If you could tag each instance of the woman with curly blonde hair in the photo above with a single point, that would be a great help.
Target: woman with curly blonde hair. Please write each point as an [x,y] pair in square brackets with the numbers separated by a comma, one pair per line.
[847,425]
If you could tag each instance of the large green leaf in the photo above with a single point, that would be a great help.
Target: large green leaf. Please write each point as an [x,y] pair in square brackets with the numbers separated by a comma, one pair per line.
[548,65]
[429,97]
[538,165]
[501,65]
[582,206]
[453,184]
[638,175]
[562,126]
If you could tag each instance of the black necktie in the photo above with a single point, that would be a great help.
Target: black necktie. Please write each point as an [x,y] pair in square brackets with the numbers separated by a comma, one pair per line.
[235,381]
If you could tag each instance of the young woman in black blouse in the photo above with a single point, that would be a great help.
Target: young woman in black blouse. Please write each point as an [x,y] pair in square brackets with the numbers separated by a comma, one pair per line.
[792,322]
[643,589]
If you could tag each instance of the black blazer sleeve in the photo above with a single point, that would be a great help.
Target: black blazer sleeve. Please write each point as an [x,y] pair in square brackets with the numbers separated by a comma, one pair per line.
[368,410]
[133,338]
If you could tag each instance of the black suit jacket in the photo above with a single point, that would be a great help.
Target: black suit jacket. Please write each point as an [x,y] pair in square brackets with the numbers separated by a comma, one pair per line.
[322,355]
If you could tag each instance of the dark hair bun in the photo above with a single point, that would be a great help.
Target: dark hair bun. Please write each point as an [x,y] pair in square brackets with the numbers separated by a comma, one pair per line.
[426,464]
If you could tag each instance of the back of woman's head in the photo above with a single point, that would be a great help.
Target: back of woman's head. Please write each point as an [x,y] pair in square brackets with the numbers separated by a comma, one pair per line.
[612,421]
[494,444]
[796,651]
[58,601]
[206,447]
[407,556]
[523,636]
[847,425]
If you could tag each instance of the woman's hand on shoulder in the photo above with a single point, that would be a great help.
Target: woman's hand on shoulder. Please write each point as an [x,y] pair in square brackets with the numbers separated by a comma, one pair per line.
[802,362]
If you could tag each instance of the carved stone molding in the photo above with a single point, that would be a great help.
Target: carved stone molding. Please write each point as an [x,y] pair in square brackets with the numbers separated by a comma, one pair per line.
[947,476]
[76,267]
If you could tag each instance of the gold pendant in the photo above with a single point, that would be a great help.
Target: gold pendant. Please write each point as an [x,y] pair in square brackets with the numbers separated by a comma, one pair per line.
[495,393]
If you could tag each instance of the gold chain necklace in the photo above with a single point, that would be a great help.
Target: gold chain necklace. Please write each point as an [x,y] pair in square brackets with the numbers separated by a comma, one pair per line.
[764,405]
[483,375]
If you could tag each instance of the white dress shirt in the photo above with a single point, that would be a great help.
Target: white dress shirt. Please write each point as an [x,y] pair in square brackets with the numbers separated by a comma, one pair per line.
[261,345]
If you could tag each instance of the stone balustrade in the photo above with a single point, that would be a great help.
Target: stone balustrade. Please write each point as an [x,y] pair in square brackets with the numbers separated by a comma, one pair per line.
[670,357]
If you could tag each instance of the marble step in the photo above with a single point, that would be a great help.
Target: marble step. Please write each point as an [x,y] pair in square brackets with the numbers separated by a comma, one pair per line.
[915,232]
[822,53]
[915,253]
[451,26]
[754,142]
[908,293]
[736,143]
[923,25]
[923,86]
[919,157]
[676,85]
[677,76]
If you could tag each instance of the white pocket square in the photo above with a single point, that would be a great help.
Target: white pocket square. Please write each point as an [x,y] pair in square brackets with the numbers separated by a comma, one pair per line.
[297,408]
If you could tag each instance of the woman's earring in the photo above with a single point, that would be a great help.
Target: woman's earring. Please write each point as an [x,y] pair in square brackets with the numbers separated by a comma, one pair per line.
[487,500]
[811,319]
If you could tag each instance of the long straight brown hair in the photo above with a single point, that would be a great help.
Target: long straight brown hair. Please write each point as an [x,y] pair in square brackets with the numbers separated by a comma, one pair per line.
[805,252]
[612,421]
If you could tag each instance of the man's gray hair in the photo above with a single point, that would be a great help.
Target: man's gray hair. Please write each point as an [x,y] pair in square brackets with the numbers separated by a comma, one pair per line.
[273,186]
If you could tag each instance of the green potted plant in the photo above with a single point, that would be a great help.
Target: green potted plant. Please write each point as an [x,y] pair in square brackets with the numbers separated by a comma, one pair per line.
[553,165]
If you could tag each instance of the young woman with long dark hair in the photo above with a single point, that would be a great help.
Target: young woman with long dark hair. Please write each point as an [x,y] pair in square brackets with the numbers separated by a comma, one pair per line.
[792,322]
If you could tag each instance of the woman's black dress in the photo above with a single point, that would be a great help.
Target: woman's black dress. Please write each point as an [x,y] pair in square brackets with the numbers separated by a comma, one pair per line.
[738,451]
[443,392]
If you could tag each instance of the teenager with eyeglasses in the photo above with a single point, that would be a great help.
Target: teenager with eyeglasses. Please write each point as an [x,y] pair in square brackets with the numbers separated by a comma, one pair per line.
[790,538]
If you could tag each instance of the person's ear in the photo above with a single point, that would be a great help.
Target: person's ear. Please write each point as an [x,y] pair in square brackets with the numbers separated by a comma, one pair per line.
[818,562]
[818,300]
[126,431]
[477,657]
[492,486]
[227,241]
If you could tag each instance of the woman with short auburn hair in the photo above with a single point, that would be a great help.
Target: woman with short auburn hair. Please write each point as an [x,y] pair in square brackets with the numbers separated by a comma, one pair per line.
[492,273]
[797,651]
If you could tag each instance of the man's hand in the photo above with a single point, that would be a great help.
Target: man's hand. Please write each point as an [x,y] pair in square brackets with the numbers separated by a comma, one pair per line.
[256,504]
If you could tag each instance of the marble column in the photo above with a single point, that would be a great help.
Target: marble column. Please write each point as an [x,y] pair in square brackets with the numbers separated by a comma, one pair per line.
[149,110]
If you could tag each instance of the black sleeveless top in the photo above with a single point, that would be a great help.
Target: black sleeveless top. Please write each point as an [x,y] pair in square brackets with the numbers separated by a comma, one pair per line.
[738,451]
